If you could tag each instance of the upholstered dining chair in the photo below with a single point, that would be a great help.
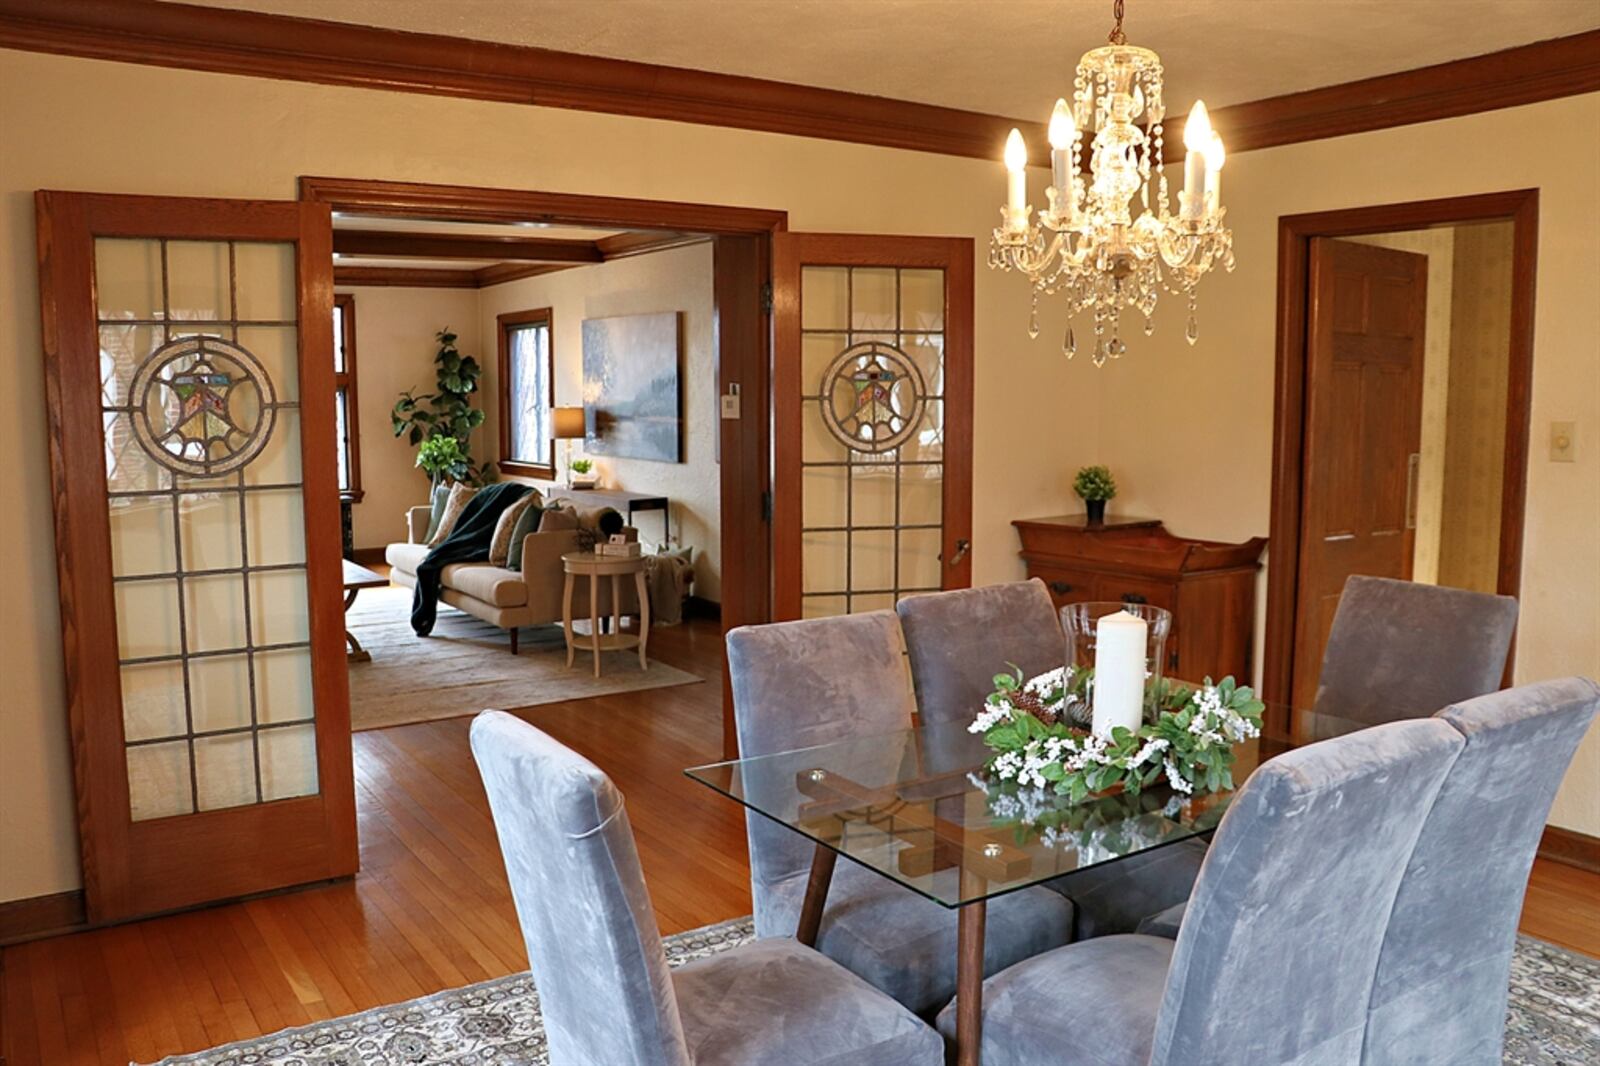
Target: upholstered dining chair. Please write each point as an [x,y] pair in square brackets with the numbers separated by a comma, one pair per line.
[1299,882]
[1396,649]
[958,640]
[605,991]
[1441,987]
[799,684]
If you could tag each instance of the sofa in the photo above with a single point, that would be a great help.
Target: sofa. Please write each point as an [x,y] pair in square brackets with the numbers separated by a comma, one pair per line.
[512,598]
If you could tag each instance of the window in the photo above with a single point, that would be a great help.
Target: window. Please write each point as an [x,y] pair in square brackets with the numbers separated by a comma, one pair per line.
[527,394]
[344,396]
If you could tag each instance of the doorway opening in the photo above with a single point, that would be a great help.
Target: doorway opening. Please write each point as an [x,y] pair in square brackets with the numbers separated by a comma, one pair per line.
[1405,344]
[740,241]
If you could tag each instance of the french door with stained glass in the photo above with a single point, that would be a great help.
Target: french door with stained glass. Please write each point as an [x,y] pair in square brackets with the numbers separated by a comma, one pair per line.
[872,420]
[191,394]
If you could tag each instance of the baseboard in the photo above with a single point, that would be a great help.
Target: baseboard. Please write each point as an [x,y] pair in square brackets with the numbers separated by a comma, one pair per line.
[1570,847]
[367,556]
[41,916]
[700,607]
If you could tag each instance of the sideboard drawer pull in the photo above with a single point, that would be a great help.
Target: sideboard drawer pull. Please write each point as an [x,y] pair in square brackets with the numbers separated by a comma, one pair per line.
[1060,588]
[1133,597]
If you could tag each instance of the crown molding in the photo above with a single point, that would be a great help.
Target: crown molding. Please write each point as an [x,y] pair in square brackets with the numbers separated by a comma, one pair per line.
[382,243]
[441,278]
[230,41]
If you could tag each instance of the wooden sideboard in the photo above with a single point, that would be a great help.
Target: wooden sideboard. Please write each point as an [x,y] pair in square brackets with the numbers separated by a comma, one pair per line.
[1209,586]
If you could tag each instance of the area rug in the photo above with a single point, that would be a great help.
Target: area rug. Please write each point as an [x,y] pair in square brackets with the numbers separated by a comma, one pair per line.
[467,665]
[1554,1018]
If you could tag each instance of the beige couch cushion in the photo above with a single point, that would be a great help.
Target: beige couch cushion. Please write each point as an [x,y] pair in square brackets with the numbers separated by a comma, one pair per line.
[406,557]
[491,584]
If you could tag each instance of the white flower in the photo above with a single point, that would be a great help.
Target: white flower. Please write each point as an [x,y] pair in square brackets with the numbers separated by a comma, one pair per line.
[993,714]
[1175,779]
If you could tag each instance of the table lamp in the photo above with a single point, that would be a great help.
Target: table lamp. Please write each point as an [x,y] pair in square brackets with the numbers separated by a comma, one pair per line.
[567,423]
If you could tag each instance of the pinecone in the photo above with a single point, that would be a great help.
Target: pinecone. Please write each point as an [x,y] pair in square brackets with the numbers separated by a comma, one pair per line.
[1025,700]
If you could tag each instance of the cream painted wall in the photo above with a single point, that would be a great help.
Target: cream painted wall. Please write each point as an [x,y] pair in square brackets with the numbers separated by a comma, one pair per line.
[1188,430]
[395,347]
[674,280]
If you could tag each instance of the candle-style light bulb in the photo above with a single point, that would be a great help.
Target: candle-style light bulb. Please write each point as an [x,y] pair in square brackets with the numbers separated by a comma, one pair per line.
[1197,137]
[1016,182]
[1063,161]
[1216,155]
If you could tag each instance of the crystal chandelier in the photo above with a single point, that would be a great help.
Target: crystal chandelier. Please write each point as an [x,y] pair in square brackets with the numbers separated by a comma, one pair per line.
[1086,244]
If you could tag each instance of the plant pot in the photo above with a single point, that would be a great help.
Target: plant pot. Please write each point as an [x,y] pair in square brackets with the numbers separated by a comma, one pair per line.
[1096,510]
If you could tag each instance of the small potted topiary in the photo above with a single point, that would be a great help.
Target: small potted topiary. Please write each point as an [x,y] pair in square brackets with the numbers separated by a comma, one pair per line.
[1094,485]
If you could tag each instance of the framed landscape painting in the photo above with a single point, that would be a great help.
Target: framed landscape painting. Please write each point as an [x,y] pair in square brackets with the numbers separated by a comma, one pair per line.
[632,387]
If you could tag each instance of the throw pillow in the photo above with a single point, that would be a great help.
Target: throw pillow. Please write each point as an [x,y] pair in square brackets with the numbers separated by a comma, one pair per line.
[528,523]
[558,518]
[436,501]
[459,495]
[505,526]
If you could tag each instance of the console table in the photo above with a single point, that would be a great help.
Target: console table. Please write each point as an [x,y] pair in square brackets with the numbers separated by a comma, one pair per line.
[625,502]
[1209,586]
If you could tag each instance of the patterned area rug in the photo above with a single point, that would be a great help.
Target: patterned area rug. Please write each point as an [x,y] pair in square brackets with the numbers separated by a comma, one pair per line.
[467,665]
[1554,1018]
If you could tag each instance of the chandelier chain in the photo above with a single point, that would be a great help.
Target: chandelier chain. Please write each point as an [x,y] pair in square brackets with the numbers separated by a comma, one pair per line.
[1117,36]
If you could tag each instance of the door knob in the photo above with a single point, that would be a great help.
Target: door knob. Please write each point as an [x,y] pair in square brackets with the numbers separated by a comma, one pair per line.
[962,547]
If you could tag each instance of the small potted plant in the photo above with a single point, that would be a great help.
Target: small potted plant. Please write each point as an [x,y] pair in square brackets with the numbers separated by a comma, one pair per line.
[441,456]
[583,475]
[1094,485]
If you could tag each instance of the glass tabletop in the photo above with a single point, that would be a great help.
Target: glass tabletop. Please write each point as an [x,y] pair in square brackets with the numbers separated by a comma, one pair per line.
[916,806]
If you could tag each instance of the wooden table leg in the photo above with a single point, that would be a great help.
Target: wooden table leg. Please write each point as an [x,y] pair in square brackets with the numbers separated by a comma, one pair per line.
[969,984]
[644,616]
[594,618]
[354,652]
[566,617]
[816,895]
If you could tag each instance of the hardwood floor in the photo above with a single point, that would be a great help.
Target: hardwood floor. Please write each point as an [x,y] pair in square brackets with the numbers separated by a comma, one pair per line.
[431,908]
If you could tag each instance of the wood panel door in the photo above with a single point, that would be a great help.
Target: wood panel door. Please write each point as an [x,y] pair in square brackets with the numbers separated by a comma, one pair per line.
[1363,432]
[188,353]
[872,420]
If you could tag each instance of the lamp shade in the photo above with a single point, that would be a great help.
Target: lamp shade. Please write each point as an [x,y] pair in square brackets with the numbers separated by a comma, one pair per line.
[568,422]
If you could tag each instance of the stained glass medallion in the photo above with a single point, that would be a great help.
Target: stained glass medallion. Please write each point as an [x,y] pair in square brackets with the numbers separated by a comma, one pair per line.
[202,406]
[872,397]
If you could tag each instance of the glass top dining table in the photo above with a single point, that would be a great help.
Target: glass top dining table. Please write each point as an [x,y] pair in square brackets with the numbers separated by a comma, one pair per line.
[915,806]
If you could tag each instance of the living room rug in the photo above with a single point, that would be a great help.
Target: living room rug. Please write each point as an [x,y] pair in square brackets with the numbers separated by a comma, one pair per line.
[1553,1020]
[467,665]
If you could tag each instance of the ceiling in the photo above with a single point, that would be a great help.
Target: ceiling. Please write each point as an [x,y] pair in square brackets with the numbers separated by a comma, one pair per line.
[1009,58]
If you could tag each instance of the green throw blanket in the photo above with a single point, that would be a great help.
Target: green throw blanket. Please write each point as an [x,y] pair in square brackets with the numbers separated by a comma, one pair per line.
[468,542]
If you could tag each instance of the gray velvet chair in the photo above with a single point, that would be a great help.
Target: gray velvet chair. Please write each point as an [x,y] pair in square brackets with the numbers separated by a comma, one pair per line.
[606,993]
[1396,649]
[957,641]
[798,684]
[1440,993]
[1275,962]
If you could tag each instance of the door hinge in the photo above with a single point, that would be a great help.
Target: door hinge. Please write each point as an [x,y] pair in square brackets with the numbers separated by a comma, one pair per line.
[766,506]
[766,297]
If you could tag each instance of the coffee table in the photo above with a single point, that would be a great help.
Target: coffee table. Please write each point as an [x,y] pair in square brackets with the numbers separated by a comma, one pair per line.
[356,578]
[615,567]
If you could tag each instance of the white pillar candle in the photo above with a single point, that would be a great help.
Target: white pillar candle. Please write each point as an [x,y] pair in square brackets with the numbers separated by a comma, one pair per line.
[1016,182]
[1119,666]
[1196,139]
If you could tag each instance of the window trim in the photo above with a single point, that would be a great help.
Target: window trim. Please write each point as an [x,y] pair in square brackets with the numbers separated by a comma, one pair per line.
[506,323]
[347,382]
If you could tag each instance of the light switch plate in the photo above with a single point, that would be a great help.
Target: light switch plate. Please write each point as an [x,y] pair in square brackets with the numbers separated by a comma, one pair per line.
[730,406]
[1563,442]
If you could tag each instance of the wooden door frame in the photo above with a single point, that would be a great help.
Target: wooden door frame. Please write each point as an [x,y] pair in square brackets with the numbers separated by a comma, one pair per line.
[953,255]
[305,838]
[1521,208]
[741,279]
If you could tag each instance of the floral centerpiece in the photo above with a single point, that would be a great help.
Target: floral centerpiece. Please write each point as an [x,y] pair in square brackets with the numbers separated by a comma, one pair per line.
[1188,735]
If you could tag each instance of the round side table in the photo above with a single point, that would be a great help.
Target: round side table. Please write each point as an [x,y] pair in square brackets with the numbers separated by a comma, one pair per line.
[616,567]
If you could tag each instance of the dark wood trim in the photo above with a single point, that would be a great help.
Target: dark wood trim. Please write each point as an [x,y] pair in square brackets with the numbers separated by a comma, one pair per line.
[623,245]
[380,243]
[466,203]
[500,273]
[505,324]
[439,278]
[334,53]
[1295,233]
[346,380]
[41,916]
[1570,847]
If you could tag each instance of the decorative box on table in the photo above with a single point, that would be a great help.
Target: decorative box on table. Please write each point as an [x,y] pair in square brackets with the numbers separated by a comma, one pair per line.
[1209,586]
